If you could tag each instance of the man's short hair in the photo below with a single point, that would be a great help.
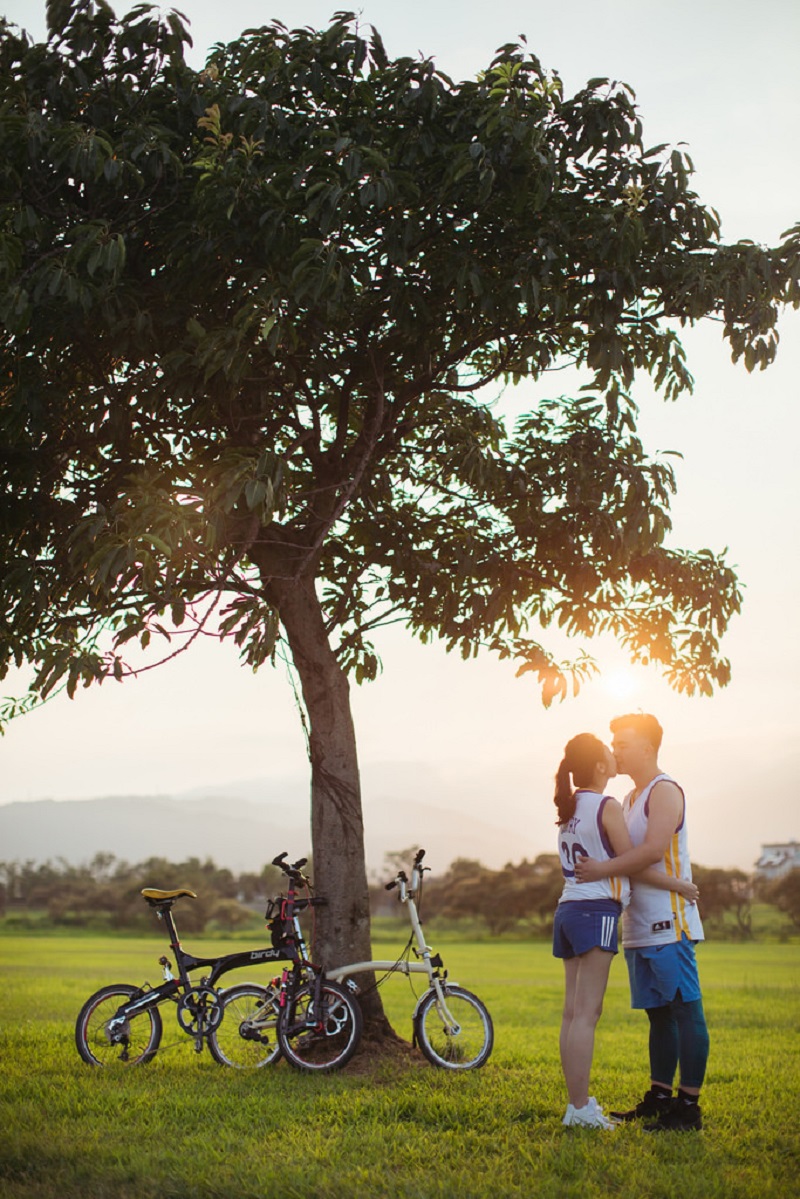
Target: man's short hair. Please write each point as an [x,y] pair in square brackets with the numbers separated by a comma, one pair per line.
[642,723]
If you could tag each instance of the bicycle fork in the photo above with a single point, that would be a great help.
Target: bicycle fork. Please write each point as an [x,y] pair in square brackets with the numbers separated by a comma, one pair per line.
[432,964]
[314,1016]
[117,1028]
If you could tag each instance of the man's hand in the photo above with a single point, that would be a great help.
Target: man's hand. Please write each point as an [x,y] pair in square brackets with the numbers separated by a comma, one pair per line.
[687,889]
[588,870]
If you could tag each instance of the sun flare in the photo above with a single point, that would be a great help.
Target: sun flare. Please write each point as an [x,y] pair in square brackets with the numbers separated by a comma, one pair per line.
[619,683]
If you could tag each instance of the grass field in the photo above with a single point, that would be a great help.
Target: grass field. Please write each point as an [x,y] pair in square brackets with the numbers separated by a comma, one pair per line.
[184,1128]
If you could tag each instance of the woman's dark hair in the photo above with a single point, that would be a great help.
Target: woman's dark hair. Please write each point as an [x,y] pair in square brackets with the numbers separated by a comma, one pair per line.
[581,756]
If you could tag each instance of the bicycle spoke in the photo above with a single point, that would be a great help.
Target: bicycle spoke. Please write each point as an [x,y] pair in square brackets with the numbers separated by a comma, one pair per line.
[458,1038]
[247,1036]
[320,1040]
[104,1039]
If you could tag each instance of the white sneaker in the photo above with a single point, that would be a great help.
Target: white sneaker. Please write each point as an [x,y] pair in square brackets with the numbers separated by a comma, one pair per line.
[589,1116]
[568,1114]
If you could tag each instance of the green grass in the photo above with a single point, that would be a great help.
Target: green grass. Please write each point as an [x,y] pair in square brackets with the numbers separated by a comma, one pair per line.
[183,1128]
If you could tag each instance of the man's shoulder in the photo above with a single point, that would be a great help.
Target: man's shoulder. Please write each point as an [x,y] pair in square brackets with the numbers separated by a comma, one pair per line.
[666,797]
[665,784]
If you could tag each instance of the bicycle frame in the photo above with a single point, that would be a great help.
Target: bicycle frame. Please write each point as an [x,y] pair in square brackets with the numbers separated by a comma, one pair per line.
[318,1024]
[429,964]
[186,963]
[297,951]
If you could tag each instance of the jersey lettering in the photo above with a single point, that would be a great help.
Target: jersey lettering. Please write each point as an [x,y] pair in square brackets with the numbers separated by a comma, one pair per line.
[571,853]
[583,836]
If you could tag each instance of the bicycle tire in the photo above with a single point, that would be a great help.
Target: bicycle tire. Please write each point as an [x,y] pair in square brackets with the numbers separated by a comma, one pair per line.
[235,1041]
[132,1043]
[323,1045]
[470,1046]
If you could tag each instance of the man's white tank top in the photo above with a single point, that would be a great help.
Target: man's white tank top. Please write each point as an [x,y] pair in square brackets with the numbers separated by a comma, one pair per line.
[656,917]
[584,836]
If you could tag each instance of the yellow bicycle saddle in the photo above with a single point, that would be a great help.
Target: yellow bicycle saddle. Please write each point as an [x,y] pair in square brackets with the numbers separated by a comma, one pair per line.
[152,893]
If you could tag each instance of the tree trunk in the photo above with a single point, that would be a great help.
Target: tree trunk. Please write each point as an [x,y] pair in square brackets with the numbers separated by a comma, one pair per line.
[337,826]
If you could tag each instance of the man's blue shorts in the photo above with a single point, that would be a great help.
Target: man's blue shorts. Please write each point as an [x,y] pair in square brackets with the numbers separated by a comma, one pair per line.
[658,972]
[584,924]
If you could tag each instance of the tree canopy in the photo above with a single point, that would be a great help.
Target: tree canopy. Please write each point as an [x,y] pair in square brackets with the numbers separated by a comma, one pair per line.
[250,317]
[248,313]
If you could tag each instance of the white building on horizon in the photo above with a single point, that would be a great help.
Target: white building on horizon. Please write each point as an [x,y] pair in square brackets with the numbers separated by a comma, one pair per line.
[778,859]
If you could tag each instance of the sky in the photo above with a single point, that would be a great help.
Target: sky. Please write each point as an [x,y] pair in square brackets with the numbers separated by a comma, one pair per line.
[722,78]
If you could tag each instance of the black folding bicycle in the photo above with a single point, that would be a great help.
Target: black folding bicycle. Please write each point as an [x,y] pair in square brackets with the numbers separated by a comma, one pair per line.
[314,1023]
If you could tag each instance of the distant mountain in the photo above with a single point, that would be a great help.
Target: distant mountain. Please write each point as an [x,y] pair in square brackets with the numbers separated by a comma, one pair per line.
[241,834]
[235,833]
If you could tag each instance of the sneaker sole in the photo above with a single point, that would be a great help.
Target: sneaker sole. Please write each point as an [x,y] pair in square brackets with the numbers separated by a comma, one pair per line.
[673,1128]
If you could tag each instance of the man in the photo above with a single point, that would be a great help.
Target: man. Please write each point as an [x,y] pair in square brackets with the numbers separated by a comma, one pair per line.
[659,929]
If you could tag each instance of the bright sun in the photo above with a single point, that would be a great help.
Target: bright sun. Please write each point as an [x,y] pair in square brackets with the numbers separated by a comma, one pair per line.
[620,683]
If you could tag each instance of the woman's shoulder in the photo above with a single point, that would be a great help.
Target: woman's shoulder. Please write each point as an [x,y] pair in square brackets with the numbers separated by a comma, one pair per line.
[594,796]
[594,801]
[611,807]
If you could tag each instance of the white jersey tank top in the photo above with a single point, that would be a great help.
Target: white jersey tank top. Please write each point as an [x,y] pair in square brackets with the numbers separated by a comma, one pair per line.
[656,917]
[584,836]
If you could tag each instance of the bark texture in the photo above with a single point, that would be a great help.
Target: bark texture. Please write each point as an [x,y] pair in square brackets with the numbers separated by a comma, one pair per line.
[337,826]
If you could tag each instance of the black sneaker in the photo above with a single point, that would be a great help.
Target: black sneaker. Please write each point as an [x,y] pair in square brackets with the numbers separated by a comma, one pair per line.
[655,1104]
[681,1117]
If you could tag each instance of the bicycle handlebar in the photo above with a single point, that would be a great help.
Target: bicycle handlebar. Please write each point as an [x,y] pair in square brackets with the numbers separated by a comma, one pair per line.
[283,865]
[401,874]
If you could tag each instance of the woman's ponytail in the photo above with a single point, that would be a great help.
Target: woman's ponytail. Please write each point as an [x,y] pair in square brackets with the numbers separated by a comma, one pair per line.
[564,797]
[581,755]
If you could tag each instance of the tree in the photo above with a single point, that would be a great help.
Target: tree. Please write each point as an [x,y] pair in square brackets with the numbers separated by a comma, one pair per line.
[249,316]
[784,894]
[108,891]
[502,898]
[231,915]
[724,891]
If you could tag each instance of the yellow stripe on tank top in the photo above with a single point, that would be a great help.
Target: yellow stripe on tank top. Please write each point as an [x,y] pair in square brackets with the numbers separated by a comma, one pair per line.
[672,863]
[670,871]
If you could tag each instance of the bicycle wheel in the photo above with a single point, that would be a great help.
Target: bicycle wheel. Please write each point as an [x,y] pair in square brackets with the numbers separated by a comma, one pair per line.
[320,1041]
[464,1047]
[104,1039]
[246,1036]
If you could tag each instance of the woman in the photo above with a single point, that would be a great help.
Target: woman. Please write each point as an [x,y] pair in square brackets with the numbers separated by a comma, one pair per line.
[590,824]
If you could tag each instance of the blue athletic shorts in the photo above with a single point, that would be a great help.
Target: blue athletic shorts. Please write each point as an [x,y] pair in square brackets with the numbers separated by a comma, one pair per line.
[658,972]
[584,924]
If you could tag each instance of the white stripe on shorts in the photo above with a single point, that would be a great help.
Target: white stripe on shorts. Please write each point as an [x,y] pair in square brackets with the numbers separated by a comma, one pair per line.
[607,931]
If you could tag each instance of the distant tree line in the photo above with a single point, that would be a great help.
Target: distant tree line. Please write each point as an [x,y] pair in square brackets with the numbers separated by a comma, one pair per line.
[107,892]
[518,899]
[522,898]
